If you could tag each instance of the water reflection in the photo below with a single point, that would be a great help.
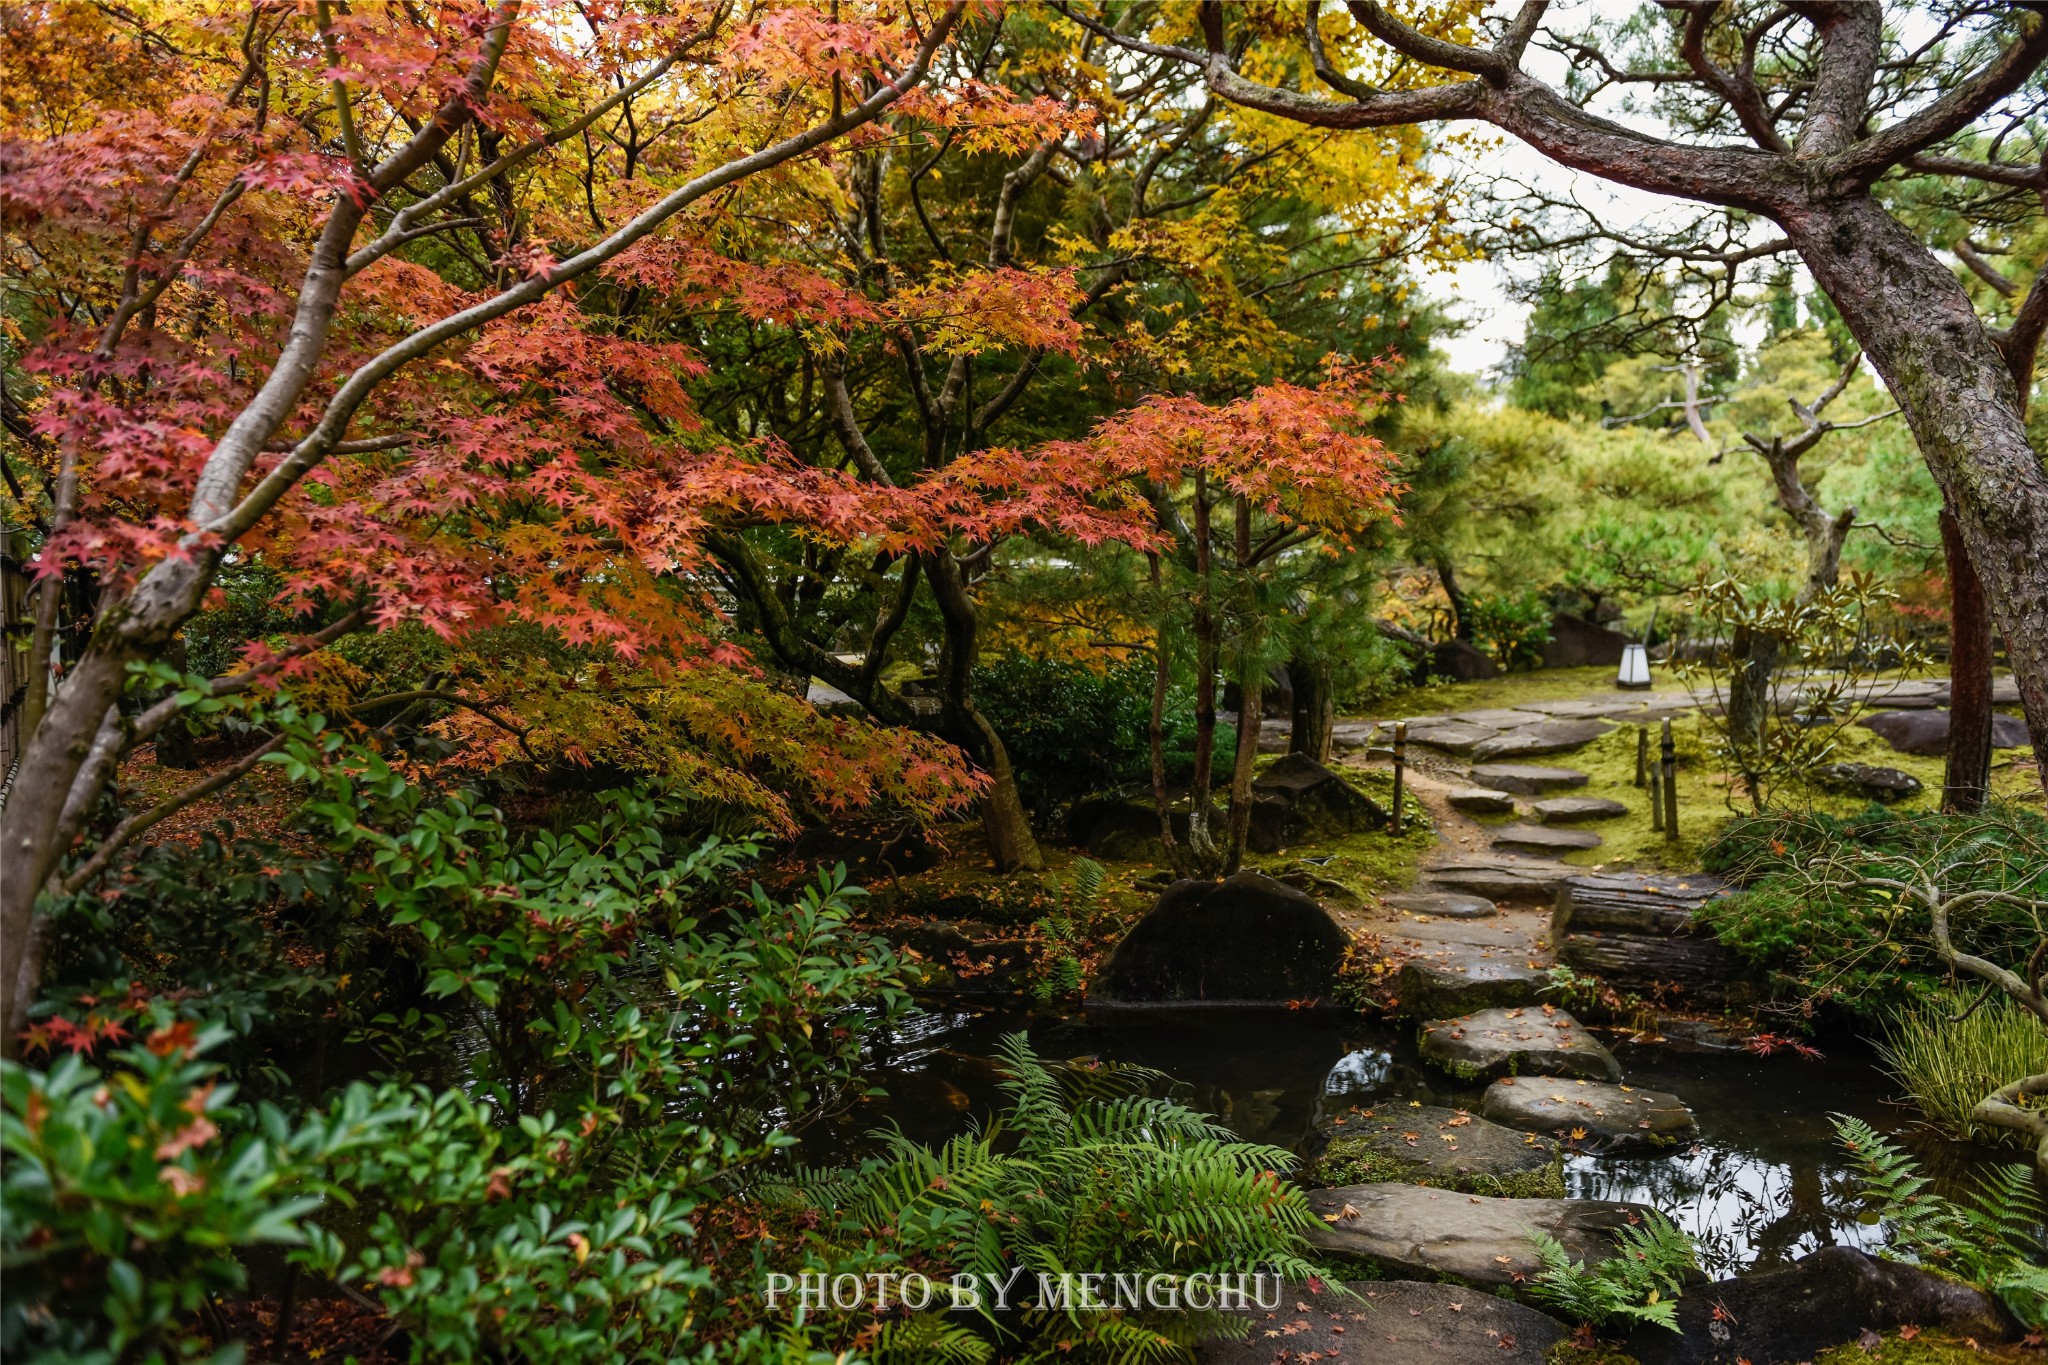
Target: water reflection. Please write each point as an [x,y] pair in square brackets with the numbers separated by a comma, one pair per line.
[1764,1184]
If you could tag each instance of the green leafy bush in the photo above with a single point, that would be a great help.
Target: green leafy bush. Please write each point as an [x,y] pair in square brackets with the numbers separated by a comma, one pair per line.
[127,1192]
[1086,1172]
[1993,1242]
[1512,627]
[1070,729]
[1641,1283]
[1818,938]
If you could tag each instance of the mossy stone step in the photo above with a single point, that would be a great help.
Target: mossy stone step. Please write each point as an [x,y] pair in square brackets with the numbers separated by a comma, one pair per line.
[1526,779]
[1446,1149]
[1537,1040]
[1481,801]
[1441,904]
[1568,810]
[1592,1116]
[1544,838]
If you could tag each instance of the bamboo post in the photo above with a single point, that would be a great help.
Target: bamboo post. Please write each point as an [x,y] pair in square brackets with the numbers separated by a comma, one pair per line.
[1642,755]
[1400,769]
[1670,756]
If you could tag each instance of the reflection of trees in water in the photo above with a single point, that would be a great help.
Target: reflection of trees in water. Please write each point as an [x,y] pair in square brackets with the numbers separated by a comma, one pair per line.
[1742,1210]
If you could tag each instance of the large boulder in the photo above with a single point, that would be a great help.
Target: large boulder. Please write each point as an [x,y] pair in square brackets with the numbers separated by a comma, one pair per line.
[1391,1322]
[1517,1042]
[1576,642]
[1460,662]
[1592,1116]
[1830,1298]
[1446,1149]
[1245,939]
[1926,732]
[1414,1230]
[1119,828]
[1297,799]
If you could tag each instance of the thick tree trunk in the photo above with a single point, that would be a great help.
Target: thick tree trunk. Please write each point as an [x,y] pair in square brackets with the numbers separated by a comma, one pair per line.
[1967,779]
[1315,710]
[1252,687]
[1461,611]
[1917,326]
[1004,821]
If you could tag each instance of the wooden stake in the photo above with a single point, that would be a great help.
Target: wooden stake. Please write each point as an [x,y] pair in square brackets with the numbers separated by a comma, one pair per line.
[1670,756]
[1400,769]
[1642,755]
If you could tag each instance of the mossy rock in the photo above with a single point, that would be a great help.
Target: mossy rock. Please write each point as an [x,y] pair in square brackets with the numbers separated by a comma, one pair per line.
[1444,1149]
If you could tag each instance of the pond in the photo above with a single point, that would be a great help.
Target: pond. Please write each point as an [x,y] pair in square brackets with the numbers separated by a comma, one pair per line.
[1764,1184]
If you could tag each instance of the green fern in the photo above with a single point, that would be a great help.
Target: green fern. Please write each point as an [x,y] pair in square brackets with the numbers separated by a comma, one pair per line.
[1640,1283]
[1089,1170]
[1994,1242]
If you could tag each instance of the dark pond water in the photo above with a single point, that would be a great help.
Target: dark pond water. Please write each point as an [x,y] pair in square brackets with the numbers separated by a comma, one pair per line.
[1765,1183]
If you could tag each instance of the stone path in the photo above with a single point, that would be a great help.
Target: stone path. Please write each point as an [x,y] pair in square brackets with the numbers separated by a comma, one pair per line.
[1590,1116]
[1487,1242]
[1391,1322]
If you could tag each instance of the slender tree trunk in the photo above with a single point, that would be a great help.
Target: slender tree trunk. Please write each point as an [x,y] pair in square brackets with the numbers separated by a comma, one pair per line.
[1315,709]
[1967,779]
[1155,728]
[1917,326]
[1200,845]
[1251,686]
[1461,610]
[1004,821]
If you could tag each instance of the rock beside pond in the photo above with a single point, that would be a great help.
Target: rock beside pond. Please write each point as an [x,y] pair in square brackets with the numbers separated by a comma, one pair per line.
[1460,978]
[1446,1149]
[1926,732]
[1481,801]
[1414,1230]
[1119,828]
[1869,779]
[1567,810]
[1827,1299]
[1526,779]
[1297,799]
[1391,1322]
[1247,938]
[1591,1116]
[1530,1041]
[1441,904]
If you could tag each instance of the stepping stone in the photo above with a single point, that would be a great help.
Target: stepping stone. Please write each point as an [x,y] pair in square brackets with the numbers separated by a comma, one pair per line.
[1525,779]
[1533,1041]
[1550,737]
[1413,1230]
[1441,904]
[1451,736]
[1926,732]
[1609,1120]
[1352,734]
[1391,1322]
[1565,810]
[1544,838]
[1459,978]
[1446,1149]
[1499,879]
[1481,801]
[1501,719]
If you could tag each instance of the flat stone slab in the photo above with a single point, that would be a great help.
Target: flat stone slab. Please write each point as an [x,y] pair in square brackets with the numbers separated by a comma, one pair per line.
[1591,1116]
[1501,718]
[1526,779]
[1413,1230]
[1566,810]
[1481,801]
[1441,904]
[1451,736]
[1545,838]
[1550,737]
[1460,978]
[1541,1040]
[1925,732]
[1500,880]
[1445,1149]
[1391,1322]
